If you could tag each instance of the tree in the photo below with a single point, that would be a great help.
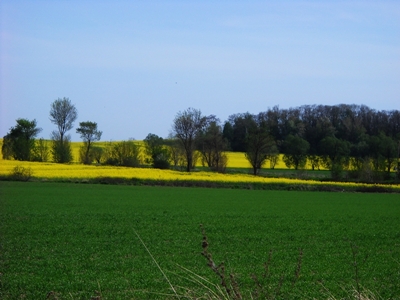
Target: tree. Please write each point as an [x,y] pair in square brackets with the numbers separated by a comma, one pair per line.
[89,134]
[6,147]
[156,150]
[259,144]
[335,154]
[295,151]
[97,153]
[19,143]
[237,132]
[212,145]
[62,113]
[227,133]
[186,127]
[315,161]
[273,157]
[41,150]
[375,152]
[176,151]
[125,153]
[388,149]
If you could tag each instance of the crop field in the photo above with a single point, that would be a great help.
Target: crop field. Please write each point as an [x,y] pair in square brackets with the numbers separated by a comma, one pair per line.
[77,241]
[85,173]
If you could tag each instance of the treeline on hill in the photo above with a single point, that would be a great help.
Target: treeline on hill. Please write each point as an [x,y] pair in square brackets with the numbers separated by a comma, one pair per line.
[353,138]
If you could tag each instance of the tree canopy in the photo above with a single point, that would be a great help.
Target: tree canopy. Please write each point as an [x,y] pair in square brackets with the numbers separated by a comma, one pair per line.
[89,134]
[19,143]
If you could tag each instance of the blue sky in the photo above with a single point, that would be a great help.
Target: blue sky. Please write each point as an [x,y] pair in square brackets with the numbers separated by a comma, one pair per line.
[131,66]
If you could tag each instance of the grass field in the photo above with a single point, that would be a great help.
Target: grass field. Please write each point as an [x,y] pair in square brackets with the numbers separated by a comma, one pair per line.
[76,241]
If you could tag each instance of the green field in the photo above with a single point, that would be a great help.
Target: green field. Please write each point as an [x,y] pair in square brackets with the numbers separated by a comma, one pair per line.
[76,241]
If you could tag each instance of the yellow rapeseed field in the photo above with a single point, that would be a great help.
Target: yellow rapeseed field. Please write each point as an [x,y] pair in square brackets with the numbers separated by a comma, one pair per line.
[85,172]
[78,171]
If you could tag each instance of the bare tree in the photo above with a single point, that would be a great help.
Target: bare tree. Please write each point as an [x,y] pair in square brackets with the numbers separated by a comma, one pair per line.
[259,144]
[186,127]
[212,145]
[62,113]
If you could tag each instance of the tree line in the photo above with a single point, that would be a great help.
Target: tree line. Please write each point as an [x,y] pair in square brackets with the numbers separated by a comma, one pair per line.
[337,137]
[356,138]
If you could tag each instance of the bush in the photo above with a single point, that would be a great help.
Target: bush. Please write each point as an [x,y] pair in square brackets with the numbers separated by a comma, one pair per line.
[111,161]
[20,173]
[61,150]
[336,171]
[41,151]
[124,153]
[97,153]
[161,164]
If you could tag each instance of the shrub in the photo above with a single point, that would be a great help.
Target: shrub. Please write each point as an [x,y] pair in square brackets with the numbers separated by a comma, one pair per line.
[41,151]
[124,153]
[161,164]
[20,173]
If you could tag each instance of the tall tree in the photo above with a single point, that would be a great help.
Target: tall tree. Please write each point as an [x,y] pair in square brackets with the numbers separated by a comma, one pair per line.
[212,145]
[19,143]
[259,144]
[89,134]
[388,148]
[186,127]
[295,151]
[335,155]
[157,151]
[62,113]
[240,125]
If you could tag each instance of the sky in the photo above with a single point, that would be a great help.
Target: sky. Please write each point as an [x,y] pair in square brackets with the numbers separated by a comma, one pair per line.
[132,66]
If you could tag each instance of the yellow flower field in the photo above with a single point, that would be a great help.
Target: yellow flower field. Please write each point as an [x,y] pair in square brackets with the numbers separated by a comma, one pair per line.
[84,172]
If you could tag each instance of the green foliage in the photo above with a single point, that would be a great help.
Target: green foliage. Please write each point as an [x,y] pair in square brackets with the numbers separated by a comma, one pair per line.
[315,161]
[236,131]
[295,152]
[41,151]
[273,157]
[259,144]
[61,148]
[159,154]
[176,152]
[20,141]
[335,155]
[76,239]
[20,173]
[97,154]
[6,148]
[89,134]
[125,153]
